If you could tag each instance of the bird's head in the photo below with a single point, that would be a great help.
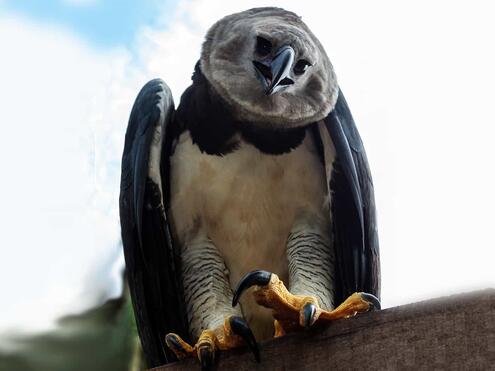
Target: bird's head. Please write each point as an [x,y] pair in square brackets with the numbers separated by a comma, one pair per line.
[269,68]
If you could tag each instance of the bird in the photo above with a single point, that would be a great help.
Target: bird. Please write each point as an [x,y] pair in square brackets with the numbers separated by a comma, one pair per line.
[258,182]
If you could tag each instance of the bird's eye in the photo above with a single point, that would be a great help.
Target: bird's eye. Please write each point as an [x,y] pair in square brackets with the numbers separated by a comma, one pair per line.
[263,46]
[301,66]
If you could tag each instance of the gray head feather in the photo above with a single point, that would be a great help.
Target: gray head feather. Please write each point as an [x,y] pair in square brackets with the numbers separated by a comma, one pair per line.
[227,62]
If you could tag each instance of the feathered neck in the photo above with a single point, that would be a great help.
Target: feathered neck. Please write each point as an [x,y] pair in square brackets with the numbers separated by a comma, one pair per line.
[214,128]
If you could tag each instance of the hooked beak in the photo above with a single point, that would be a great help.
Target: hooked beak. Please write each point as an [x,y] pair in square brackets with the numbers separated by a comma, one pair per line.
[276,74]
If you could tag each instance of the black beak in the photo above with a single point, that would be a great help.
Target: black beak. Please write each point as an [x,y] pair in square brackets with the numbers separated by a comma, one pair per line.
[276,75]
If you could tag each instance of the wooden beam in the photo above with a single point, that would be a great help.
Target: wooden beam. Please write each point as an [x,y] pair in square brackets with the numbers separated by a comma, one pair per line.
[454,333]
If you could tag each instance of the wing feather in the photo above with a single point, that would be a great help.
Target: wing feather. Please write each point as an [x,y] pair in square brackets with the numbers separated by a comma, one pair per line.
[352,207]
[152,264]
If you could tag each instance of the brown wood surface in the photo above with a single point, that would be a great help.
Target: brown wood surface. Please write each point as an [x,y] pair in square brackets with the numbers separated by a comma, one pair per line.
[454,333]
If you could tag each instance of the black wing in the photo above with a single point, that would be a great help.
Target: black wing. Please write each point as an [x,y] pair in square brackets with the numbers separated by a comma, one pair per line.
[352,208]
[152,264]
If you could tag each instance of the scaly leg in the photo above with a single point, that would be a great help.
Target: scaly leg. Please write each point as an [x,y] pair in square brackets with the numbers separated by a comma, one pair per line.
[207,293]
[311,277]
[294,311]
[233,333]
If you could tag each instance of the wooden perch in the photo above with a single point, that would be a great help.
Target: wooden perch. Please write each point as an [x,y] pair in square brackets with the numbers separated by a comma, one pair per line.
[454,333]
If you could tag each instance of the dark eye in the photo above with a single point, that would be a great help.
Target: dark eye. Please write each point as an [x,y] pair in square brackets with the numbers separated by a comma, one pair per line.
[301,66]
[263,46]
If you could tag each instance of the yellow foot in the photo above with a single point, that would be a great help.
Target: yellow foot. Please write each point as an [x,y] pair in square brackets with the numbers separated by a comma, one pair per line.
[232,334]
[292,312]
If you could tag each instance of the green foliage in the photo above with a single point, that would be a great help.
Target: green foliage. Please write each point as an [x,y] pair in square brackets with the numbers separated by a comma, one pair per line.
[103,338]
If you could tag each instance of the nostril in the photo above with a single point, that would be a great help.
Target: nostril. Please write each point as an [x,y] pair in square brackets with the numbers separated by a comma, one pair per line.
[265,70]
[286,81]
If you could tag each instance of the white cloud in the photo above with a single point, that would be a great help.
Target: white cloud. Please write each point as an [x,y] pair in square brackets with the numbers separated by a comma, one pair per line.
[419,79]
[64,110]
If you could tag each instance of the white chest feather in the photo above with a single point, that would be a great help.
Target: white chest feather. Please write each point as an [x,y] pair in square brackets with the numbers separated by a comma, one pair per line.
[246,202]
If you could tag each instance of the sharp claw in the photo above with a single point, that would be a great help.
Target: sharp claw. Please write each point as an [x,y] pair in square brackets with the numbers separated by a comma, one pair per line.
[206,358]
[172,342]
[241,328]
[258,278]
[309,311]
[372,300]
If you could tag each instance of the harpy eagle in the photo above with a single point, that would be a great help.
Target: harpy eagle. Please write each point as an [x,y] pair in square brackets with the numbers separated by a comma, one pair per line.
[258,179]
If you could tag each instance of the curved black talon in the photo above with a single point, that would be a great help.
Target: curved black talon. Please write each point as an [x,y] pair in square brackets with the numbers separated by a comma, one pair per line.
[205,358]
[240,327]
[254,278]
[372,300]
[172,341]
[309,311]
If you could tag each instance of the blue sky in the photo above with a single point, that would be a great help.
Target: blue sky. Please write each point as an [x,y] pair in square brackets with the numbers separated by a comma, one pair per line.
[104,23]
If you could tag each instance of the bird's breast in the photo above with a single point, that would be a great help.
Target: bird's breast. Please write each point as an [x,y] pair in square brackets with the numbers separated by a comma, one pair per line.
[245,202]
